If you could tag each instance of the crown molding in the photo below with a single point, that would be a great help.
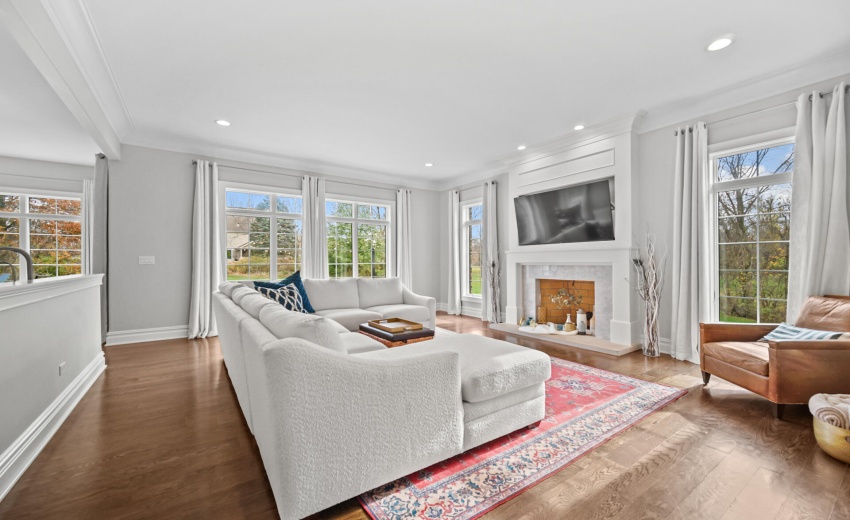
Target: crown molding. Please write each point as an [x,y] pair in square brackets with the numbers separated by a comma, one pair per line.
[74,22]
[548,148]
[219,151]
[35,26]
[755,89]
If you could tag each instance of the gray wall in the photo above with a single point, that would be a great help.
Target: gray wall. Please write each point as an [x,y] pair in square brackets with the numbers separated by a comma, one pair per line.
[657,153]
[150,213]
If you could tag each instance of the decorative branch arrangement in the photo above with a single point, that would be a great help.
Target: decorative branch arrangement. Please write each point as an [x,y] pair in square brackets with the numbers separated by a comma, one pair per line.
[494,281]
[650,280]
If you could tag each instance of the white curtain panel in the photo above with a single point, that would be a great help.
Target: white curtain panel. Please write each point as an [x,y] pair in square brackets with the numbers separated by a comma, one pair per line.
[88,226]
[453,303]
[314,248]
[95,247]
[206,254]
[690,302]
[491,308]
[820,226]
[404,258]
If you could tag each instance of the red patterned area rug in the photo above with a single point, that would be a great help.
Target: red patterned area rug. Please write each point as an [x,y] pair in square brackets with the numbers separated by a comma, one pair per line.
[585,407]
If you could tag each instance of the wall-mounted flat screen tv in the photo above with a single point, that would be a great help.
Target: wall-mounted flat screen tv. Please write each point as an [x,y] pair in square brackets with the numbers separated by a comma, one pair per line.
[579,213]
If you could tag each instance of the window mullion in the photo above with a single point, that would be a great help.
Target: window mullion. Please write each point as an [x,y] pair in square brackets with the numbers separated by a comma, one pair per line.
[273,247]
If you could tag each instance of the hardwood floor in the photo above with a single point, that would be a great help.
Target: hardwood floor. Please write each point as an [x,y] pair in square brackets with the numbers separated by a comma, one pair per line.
[160,435]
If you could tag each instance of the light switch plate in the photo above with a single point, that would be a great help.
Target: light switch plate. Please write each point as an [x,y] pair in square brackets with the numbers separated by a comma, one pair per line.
[147,260]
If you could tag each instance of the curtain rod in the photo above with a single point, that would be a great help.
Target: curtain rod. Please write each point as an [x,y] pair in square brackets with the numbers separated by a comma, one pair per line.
[775,107]
[300,176]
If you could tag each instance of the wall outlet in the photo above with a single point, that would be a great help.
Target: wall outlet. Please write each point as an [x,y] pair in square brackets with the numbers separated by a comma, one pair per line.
[61,367]
[147,260]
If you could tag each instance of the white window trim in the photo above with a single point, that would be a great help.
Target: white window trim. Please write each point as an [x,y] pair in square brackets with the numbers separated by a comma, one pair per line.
[389,222]
[711,262]
[24,216]
[273,215]
[465,224]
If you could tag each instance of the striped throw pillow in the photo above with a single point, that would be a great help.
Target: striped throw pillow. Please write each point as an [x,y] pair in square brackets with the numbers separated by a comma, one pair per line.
[790,332]
[289,296]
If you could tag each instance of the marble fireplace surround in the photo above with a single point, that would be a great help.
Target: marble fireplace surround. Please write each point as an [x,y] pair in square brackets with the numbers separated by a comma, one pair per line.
[600,275]
[607,267]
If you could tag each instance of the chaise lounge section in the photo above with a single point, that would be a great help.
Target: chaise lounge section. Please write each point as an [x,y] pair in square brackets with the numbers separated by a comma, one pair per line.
[331,424]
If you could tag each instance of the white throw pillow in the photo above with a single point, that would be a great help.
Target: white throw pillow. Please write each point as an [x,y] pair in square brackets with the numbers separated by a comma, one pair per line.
[289,324]
[379,291]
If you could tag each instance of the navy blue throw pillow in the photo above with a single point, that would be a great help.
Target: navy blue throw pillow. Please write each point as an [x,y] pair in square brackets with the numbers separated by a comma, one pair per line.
[291,279]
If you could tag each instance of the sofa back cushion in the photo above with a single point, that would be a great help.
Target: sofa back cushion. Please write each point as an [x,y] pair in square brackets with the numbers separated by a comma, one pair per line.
[254,303]
[824,313]
[240,292]
[332,294]
[226,288]
[379,291]
[289,324]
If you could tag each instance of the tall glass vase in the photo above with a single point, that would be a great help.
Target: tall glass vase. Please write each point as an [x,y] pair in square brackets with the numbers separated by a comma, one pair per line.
[651,347]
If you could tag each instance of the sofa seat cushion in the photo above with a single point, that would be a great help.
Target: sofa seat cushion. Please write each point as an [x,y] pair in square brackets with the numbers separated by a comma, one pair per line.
[415,313]
[751,356]
[350,318]
[489,368]
[356,343]
[473,411]
[379,291]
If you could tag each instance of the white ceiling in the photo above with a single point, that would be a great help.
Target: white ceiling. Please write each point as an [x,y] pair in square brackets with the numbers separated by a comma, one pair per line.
[388,86]
[34,123]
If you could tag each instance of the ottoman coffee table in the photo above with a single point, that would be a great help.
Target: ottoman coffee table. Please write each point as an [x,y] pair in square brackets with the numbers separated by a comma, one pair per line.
[396,339]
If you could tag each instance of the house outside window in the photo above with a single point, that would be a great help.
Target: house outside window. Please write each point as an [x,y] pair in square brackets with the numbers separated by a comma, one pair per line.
[49,227]
[472,215]
[263,232]
[751,206]
[357,238]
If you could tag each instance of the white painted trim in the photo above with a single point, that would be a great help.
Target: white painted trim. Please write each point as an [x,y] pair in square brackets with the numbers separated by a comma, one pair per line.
[743,93]
[123,337]
[26,293]
[33,24]
[442,306]
[18,457]
[219,152]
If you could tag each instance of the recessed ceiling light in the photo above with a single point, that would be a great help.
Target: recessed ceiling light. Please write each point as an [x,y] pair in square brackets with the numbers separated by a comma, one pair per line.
[578,127]
[521,147]
[222,122]
[429,164]
[720,43]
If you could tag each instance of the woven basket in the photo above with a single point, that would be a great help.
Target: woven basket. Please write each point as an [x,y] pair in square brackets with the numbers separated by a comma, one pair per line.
[833,440]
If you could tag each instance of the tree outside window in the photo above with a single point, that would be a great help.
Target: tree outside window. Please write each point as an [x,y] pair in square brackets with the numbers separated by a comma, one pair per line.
[753,207]
[363,256]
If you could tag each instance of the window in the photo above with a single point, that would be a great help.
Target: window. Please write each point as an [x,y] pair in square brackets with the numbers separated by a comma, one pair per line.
[262,234]
[365,256]
[472,214]
[751,191]
[49,227]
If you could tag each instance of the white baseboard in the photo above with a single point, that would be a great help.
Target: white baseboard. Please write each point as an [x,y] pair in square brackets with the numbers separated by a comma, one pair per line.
[123,337]
[465,310]
[18,457]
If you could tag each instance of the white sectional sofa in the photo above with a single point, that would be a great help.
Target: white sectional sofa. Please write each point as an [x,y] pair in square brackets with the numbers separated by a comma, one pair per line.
[336,414]
[352,301]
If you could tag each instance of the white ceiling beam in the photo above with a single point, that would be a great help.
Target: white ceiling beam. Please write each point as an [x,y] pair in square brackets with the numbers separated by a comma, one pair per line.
[37,29]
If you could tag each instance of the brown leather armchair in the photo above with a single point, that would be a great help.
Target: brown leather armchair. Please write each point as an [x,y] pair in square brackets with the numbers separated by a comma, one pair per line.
[784,372]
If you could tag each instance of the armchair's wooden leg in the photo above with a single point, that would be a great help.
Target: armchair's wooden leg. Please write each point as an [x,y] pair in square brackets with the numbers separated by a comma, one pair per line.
[534,425]
[778,410]
[705,377]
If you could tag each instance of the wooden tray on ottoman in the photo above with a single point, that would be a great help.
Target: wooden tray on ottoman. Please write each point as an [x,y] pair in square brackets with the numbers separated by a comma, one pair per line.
[395,325]
[396,339]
